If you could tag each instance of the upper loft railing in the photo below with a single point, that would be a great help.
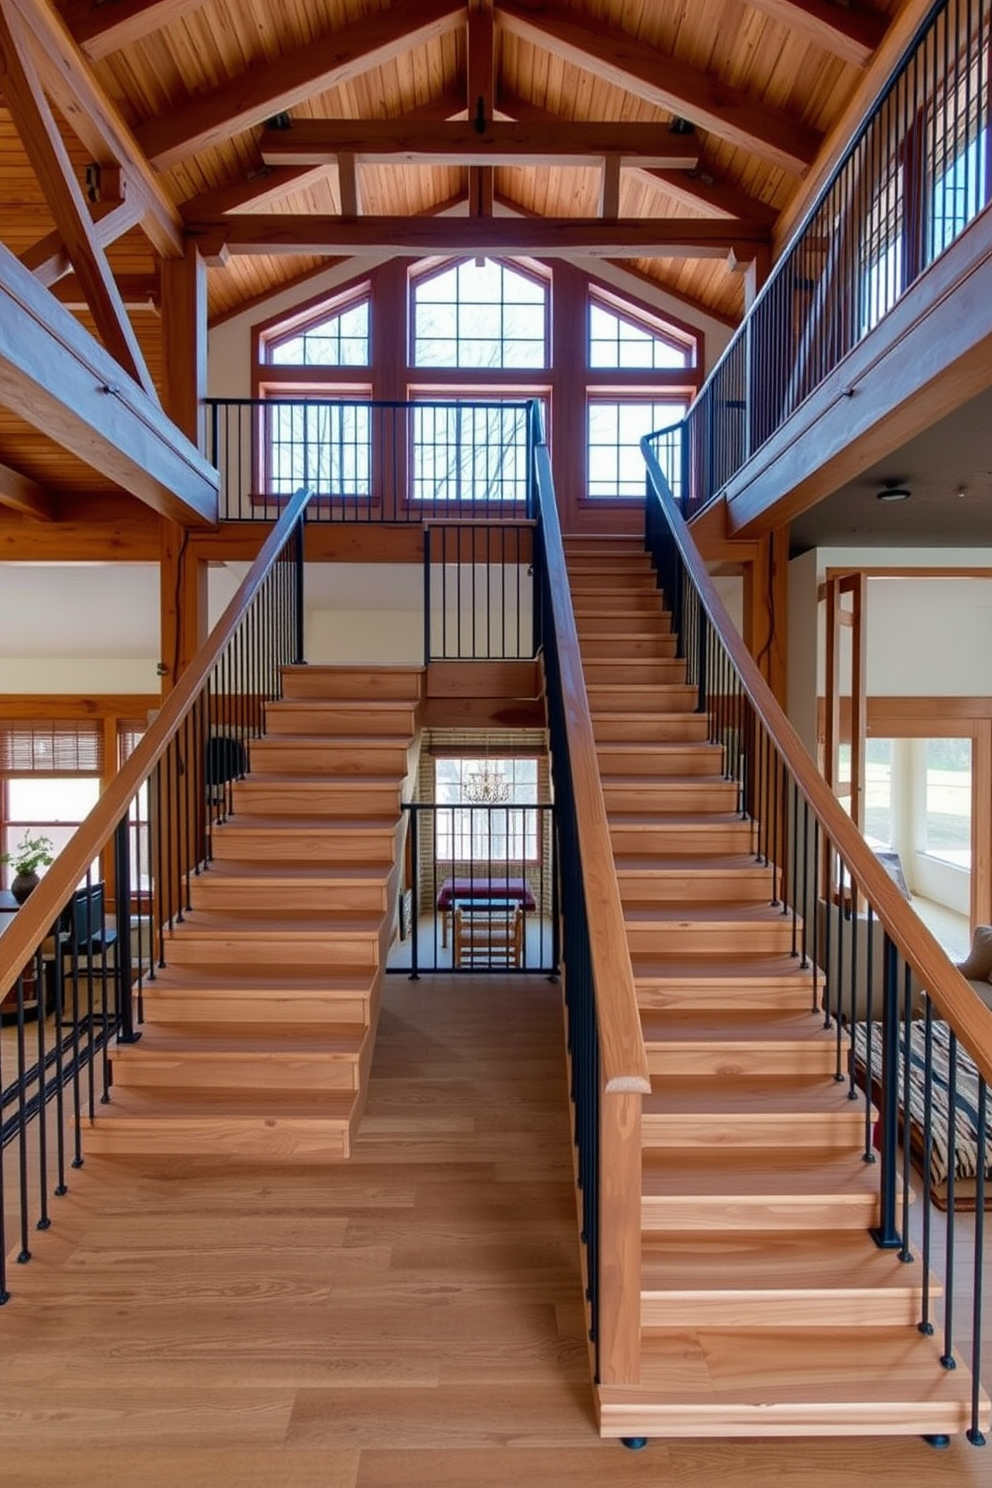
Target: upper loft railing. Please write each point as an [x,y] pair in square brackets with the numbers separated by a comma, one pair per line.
[76,957]
[917,173]
[371,462]
[912,1038]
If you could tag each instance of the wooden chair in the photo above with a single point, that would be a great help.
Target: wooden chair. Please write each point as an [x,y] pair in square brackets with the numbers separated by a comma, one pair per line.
[487,933]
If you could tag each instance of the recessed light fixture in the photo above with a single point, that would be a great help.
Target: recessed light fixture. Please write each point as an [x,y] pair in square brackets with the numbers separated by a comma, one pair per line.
[893,491]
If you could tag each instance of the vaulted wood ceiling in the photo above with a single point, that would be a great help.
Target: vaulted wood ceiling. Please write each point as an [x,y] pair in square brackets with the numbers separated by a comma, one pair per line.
[211,110]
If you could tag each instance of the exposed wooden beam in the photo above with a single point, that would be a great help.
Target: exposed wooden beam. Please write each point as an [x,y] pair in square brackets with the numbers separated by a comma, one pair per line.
[105,28]
[349,186]
[256,192]
[60,380]
[636,237]
[97,122]
[444,142]
[49,159]
[842,29]
[480,96]
[48,260]
[138,291]
[695,188]
[26,496]
[609,196]
[623,60]
[273,87]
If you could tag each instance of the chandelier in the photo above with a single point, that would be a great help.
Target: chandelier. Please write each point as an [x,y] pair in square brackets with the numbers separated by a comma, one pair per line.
[486,786]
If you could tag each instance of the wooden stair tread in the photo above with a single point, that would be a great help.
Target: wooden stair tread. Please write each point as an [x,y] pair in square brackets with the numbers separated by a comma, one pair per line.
[331,740]
[743,970]
[252,871]
[755,1173]
[884,1379]
[211,1040]
[324,782]
[745,1026]
[193,1105]
[719,913]
[772,1261]
[249,925]
[302,822]
[663,865]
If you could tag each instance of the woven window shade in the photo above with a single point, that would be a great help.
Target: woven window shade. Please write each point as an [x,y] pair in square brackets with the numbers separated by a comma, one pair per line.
[129,736]
[50,746]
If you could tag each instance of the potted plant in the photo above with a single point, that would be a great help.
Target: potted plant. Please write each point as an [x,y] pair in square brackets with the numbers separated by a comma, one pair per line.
[26,858]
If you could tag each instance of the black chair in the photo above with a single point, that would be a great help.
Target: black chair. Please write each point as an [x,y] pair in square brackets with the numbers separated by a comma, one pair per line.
[226,760]
[88,944]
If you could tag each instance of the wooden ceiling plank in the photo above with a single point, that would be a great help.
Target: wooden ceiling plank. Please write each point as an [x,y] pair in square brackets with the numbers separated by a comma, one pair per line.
[101,29]
[61,381]
[848,33]
[96,120]
[445,142]
[48,260]
[26,496]
[641,237]
[45,149]
[622,59]
[480,94]
[276,86]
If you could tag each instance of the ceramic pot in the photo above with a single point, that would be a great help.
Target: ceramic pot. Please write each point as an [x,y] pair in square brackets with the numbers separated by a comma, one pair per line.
[23,884]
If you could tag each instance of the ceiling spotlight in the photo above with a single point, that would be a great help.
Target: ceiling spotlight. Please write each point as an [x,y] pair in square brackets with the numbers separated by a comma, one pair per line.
[893,491]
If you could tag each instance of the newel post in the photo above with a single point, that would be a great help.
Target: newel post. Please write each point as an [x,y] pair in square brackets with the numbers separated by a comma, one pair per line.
[619,1340]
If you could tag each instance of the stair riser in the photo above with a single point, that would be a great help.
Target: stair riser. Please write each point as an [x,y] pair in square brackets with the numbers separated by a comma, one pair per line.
[325,757]
[341,719]
[899,1417]
[658,728]
[626,648]
[659,698]
[273,897]
[828,1309]
[683,938]
[621,606]
[343,1009]
[262,1071]
[669,888]
[377,685]
[664,759]
[695,841]
[784,1059]
[654,672]
[331,953]
[234,844]
[227,1136]
[655,798]
[719,1214]
[332,798]
[837,1131]
[711,998]
[648,623]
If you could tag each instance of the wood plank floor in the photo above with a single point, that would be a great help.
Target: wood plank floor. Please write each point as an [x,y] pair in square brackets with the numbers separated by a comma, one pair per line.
[409,1320]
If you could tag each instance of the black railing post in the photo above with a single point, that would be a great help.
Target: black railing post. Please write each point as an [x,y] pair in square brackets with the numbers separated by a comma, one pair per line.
[885,1234]
[122,914]
[299,657]
[427,594]
[702,653]
[414,892]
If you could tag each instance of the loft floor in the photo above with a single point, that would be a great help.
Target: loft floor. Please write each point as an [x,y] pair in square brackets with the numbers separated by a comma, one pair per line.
[411,1319]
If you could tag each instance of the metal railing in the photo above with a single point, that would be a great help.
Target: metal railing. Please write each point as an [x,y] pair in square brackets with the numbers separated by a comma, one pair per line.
[912,1041]
[478,591]
[72,975]
[916,174]
[370,461]
[482,893]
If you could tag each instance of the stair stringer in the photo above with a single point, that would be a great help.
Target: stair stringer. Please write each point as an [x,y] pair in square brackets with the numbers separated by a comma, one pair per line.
[766,1309]
[259,1033]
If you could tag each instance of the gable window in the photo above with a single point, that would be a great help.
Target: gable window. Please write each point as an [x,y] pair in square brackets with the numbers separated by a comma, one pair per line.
[487,316]
[339,338]
[614,431]
[617,340]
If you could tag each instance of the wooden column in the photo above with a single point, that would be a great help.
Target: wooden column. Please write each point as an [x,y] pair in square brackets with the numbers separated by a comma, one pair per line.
[568,413]
[981,823]
[183,578]
[766,593]
[390,359]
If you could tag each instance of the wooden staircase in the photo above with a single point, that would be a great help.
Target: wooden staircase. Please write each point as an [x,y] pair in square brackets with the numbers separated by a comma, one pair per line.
[766,1308]
[258,1033]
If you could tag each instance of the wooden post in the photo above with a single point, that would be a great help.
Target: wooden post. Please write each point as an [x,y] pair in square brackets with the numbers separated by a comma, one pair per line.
[766,589]
[620,1238]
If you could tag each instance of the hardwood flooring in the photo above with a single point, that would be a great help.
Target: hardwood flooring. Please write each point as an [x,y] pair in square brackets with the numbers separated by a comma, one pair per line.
[411,1319]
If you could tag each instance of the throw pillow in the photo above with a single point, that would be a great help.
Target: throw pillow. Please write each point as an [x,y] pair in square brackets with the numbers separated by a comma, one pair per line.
[978,967]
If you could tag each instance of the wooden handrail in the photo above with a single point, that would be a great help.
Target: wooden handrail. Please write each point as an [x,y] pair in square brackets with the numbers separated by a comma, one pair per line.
[34,920]
[623,1061]
[967,1015]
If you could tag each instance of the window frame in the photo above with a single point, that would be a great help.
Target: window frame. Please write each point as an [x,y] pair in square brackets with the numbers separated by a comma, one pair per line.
[423,272]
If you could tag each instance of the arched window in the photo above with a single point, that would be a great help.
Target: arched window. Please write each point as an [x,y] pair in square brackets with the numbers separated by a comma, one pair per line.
[481,316]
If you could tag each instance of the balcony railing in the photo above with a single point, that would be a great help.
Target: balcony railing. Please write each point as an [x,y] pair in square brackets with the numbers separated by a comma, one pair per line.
[916,174]
[369,461]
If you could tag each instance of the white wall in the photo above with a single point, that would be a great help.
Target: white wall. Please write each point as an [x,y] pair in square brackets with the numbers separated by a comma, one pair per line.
[79,627]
